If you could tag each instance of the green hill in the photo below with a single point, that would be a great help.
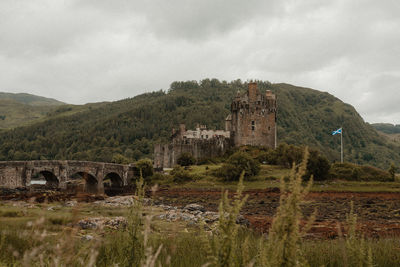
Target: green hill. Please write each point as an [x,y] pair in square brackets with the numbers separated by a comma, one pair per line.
[22,109]
[131,126]
[32,100]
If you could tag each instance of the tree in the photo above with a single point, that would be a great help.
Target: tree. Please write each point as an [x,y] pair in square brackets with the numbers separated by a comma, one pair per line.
[120,159]
[318,166]
[392,171]
[180,175]
[186,159]
[236,164]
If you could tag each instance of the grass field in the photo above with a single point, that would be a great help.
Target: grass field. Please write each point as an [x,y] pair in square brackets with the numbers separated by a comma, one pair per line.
[35,234]
[48,234]
[269,178]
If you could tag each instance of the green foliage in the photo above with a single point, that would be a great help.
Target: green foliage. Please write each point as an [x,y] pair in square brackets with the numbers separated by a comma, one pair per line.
[286,156]
[392,171]
[186,159]
[356,252]
[180,175]
[120,159]
[318,166]
[236,164]
[131,126]
[353,172]
[145,166]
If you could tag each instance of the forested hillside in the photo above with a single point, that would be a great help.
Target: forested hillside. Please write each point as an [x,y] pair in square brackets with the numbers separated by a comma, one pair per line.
[130,127]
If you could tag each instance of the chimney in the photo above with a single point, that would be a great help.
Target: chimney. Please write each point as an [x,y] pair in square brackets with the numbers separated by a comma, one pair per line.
[182,128]
[269,95]
[252,88]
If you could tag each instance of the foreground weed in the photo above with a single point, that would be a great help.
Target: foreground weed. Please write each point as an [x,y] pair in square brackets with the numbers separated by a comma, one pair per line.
[225,242]
[130,246]
[283,247]
[356,252]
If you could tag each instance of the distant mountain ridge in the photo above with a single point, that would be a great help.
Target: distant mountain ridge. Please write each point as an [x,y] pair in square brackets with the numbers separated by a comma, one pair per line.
[131,127]
[29,99]
[387,128]
[17,110]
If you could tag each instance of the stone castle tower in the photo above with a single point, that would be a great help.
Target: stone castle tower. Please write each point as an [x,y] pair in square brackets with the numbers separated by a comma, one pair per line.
[252,122]
[253,118]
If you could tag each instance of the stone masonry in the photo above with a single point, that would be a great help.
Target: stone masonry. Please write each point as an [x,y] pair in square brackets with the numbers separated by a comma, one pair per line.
[253,118]
[59,174]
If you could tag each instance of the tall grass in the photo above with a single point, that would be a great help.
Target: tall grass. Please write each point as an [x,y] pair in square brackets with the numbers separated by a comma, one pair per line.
[226,244]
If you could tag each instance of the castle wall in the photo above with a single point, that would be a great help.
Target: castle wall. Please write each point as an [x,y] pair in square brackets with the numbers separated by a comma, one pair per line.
[166,156]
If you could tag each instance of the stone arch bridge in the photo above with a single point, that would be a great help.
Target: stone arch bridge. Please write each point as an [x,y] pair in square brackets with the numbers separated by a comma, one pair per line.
[92,177]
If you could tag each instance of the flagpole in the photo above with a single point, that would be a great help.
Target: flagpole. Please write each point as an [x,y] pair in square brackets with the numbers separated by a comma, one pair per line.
[341,146]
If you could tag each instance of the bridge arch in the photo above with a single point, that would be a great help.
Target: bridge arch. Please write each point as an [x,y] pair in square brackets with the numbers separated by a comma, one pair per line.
[44,179]
[83,181]
[113,184]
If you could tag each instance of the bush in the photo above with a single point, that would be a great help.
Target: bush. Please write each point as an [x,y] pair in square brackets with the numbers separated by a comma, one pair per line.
[352,172]
[236,164]
[392,171]
[180,175]
[186,159]
[146,165]
[318,166]
[120,159]
[284,155]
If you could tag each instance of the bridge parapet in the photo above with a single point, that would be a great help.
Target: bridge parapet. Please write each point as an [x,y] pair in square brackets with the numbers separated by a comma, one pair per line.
[15,174]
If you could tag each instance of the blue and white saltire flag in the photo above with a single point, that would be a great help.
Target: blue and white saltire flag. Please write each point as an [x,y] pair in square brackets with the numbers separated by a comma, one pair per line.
[338,131]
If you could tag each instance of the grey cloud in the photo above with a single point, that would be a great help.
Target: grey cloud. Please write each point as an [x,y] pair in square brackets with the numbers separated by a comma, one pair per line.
[192,19]
[92,50]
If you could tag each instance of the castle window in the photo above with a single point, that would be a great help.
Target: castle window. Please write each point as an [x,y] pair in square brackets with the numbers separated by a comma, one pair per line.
[269,128]
[206,136]
[253,125]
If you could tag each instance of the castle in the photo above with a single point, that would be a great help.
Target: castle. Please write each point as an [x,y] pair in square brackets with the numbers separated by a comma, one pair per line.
[252,122]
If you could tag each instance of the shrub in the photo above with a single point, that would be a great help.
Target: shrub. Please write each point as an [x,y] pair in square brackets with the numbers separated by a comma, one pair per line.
[186,159]
[180,175]
[236,164]
[353,172]
[392,171]
[120,159]
[146,165]
[318,166]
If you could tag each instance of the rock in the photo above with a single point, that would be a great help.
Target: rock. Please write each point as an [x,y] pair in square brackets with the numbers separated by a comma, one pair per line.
[91,223]
[242,221]
[87,237]
[194,207]
[100,222]
[71,203]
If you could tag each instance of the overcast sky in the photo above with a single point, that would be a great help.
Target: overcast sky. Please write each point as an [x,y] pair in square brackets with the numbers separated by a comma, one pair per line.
[95,50]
